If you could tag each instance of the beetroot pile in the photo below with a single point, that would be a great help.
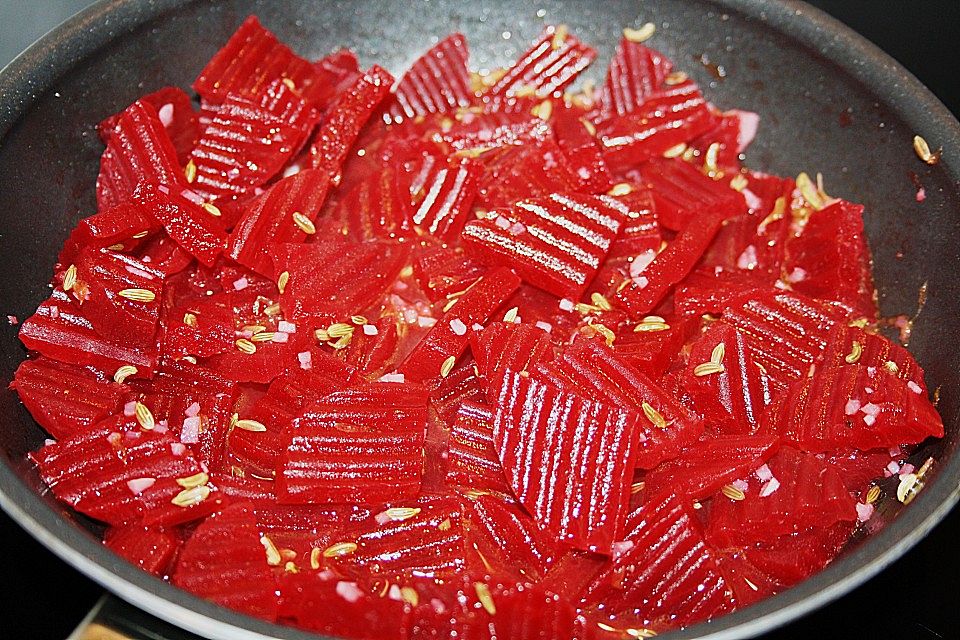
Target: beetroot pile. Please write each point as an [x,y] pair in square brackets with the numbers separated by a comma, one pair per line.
[464,355]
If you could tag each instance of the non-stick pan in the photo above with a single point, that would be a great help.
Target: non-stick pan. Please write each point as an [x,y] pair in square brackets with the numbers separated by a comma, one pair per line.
[829,101]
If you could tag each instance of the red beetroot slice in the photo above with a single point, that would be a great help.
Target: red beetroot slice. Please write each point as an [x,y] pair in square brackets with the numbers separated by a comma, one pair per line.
[123,477]
[269,360]
[193,228]
[346,118]
[568,460]
[728,388]
[378,207]
[556,243]
[667,577]
[508,539]
[438,82]
[472,455]
[336,277]
[705,467]
[60,331]
[139,150]
[784,332]
[479,133]
[652,348]
[830,258]
[375,406]
[443,195]
[502,345]
[853,405]
[250,60]
[447,339]
[534,169]
[710,290]
[875,350]
[635,73]
[284,213]
[461,385]
[551,63]
[116,225]
[666,426]
[150,549]
[176,114]
[248,141]
[802,491]
[581,149]
[224,562]
[648,287]
[665,120]
[373,347]
[682,192]
[66,399]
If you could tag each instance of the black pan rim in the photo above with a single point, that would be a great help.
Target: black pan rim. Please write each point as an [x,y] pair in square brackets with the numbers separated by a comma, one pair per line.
[28,77]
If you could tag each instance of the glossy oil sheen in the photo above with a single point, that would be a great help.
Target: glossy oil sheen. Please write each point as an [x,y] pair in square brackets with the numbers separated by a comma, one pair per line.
[800,70]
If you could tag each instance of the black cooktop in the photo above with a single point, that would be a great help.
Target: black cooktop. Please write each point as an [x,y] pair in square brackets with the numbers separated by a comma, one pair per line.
[915,598]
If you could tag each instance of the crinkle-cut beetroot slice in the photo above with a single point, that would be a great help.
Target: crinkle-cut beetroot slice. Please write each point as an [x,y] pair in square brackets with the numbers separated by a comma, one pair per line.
[848,405]
[795,557]
[139,150]
[194,229]
[635,73]
[665,426]
[325,603]
[336,277]
[461,385]
[206,337]
[650,286]
[472,456]
[303,528]
[373,348]
[378,207]
[480,133]
[438,82]
[709,291]
[374,406]
[682,192]
[706,466]
[551,63]
[176,114]
[665,120]
[60,331]
[748,584]
[329,463]
[516,172]
[876,350]
[64,398]
[441,271]
[506,345]
[148,548]
[726,138]
[581,148]
[247,143]
[668,576]
[270,218]
[784,332]
[652,348]
[395,544]
[346,117]
[641,231]
[447,339]
[120,295]
[519,610]
[508,538]
[224,562]
[569,460]
[443,196]
[196,404]
[859,468]
[830,258]
[270,359]
[164,255]
[808,492]
[250,60]
[556,243]
[728,388]
[237,488]
[116,225]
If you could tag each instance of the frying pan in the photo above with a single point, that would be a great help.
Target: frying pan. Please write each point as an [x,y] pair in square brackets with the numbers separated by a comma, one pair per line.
[829,100]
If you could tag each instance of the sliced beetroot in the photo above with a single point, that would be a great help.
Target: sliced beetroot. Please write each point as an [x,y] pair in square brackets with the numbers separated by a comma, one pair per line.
[376,406]
[652,347]
[856,405]
[581,149]
[666,576]
[66,399]
[706,466]
[266,360]
[443,194]
[373,347]
[516,172]
[349,282]
[728,387]
[574,481]
[551,63]
[227,544]
[108,228]
[555,243]
[150,549]
[682,192]
[176,114]
[473,460]
[875,350]
[830,258]
[501,346]
[193,228]
[284,213]
[799,492]
[710,291]
[378,207]
[138,150]
[635,73]
[438,82]
[460,386]
[346,118]
[665,426]
[447,339]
